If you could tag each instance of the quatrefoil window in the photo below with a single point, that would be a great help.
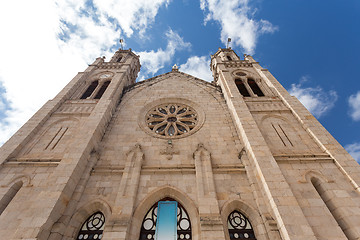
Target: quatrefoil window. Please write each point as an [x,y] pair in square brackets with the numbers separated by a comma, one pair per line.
[171,120]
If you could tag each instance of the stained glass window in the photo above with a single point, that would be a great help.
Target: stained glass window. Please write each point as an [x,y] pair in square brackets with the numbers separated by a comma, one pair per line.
[240,227]
[172,120]
[93,227]
[148,226]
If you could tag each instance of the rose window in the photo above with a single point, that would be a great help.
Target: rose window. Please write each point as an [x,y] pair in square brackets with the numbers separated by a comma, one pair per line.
[171,120]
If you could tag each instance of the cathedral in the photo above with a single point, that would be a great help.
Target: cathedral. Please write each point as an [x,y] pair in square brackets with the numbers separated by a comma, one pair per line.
[175,157]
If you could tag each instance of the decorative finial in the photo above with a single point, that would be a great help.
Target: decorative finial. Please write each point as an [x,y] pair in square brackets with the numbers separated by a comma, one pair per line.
[175,68]
[228,41]
[121,43]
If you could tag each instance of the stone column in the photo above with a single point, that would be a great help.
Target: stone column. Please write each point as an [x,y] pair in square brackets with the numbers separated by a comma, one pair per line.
[210,221]
[118,226]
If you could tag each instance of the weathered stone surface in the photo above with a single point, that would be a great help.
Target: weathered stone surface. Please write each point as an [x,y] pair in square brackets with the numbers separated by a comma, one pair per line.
[263,155]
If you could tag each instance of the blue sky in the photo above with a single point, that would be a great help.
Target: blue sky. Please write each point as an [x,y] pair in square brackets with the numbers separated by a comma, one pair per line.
[311,47]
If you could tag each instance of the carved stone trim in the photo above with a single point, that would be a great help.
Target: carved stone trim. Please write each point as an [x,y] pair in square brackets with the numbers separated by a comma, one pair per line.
[308,174]
[169,151]
[145,118]
[109,65]
[266,106]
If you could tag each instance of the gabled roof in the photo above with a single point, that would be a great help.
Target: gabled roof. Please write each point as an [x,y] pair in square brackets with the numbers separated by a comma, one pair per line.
[169,75]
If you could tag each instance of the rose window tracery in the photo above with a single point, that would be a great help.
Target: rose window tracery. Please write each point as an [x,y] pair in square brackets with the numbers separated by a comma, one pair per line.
[93,227]
[171,120]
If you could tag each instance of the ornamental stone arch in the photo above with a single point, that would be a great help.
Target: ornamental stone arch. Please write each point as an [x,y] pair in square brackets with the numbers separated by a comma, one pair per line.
[91,86]
[51,139]
[251,213]
[248,73]
[155,196]
[306,178]
[276,116]
[73,120]
[279,133]
[83,213]
[25,179]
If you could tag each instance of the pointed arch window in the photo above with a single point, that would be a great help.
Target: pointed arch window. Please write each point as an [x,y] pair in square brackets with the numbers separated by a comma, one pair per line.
[10,194]
[102,90]
[228,58]
[255,88]
[90,90]
[239,226]
[183,224]
[241,87]
[93,227]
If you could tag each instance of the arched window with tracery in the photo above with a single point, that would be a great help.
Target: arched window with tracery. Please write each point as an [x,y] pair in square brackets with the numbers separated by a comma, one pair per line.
[93,227]
[239,226]
[148,226]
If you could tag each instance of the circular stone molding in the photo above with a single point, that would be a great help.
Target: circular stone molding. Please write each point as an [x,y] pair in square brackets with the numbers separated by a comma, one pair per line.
[238,73]
[104,75]
[171,118]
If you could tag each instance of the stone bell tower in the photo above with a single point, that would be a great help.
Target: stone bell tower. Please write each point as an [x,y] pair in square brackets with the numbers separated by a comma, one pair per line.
[57,144]
[307,181]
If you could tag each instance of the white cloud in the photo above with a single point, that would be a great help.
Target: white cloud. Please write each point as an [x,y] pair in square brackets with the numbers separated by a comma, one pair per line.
[354,150]
[45,43]
[236,20]
[354,103]
[90,31]
[198,67]
[152,61]
[316,100]
[131,15]
[31,62]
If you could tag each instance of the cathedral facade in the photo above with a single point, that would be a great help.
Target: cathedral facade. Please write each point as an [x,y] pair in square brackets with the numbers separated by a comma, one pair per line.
[175,157]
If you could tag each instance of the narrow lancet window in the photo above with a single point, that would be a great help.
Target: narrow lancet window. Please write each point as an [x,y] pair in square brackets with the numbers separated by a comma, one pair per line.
[241,87]
[255,88]
[119,59]
[240,227]
[102,90]
[229,58]
[324,195]
[93,227]
[4,202]
[90,90]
